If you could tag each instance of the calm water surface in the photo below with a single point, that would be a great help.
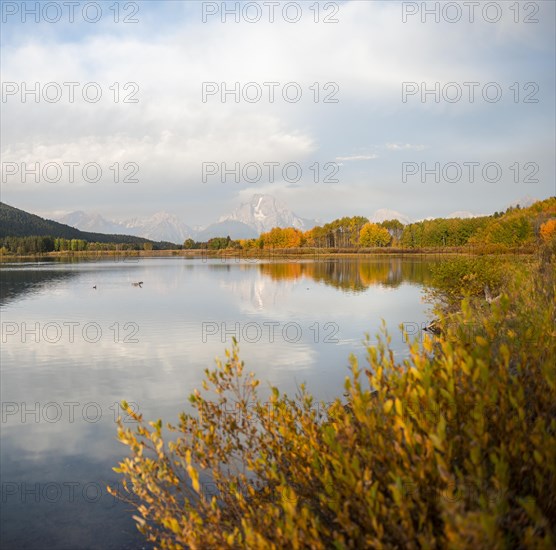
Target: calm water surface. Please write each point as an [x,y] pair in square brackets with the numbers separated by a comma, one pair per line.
[71,353]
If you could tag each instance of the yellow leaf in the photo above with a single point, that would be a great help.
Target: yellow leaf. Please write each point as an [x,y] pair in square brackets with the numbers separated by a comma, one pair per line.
[194,478]
[437,442]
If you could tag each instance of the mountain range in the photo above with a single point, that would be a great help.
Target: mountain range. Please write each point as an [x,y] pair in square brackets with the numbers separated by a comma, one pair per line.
[249,220]
[161,226]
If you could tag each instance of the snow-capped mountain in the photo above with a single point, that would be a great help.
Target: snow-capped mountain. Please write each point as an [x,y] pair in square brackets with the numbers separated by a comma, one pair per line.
[524,202]
[462,214]
[162,226]
[385,214]
[90,222]
[263,212]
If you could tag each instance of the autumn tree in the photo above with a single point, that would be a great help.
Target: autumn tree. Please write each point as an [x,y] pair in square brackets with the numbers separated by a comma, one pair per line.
[317,237]
[248,244]
[288,237]
[394,227]
[548,230]
[372,234]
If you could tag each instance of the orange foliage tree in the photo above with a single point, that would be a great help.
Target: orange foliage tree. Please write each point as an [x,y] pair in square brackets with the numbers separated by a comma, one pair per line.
[548,230]
[278,237]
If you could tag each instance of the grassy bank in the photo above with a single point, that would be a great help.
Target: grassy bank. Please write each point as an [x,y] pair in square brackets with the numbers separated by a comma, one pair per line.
[286,253]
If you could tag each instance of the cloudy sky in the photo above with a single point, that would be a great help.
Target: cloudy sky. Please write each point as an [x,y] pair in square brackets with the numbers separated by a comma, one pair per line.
[343,68]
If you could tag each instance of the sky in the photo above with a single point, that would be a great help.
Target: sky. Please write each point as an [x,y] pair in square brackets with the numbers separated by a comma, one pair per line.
[372,106]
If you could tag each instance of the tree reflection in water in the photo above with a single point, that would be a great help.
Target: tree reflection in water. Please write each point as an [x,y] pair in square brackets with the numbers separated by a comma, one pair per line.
[353,275]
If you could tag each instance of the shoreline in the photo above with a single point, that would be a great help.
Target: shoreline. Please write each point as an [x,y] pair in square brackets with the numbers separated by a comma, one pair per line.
[283,254]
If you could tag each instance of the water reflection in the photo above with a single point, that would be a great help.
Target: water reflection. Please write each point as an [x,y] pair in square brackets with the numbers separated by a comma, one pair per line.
[21,282]
[353,275]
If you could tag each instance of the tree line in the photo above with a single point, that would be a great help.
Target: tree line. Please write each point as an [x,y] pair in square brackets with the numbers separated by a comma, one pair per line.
[40,245]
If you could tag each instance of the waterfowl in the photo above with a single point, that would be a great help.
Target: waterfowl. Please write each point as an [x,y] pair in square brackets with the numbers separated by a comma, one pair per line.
[138,284]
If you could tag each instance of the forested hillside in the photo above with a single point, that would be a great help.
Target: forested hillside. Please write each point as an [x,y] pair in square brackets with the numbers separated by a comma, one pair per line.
[16,224]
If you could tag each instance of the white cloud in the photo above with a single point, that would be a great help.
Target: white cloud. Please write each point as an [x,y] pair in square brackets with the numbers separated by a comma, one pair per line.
[370,156]
[404,147]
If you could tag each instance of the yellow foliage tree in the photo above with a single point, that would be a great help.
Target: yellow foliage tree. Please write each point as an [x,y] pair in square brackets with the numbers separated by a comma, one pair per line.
[372,234]
[248,244]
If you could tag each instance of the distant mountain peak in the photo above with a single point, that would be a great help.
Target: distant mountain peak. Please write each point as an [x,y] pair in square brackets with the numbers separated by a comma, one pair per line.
[383,214]
[524,202]
[263,212]
[161,226]
[462,214]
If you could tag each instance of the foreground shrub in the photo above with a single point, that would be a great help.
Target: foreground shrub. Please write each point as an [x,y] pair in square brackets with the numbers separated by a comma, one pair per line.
[453,448]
